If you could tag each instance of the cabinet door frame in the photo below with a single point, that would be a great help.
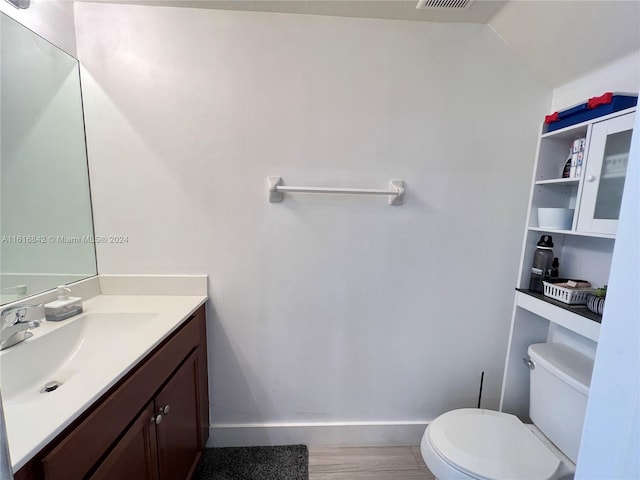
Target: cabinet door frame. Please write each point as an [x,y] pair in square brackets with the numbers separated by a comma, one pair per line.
[591,178]
[178,460]
[142,430]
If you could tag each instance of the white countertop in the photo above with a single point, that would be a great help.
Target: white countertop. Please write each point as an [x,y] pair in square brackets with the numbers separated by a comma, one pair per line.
[34,420]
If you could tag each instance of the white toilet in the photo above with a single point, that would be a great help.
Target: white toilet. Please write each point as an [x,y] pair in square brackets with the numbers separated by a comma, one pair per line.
[473,443]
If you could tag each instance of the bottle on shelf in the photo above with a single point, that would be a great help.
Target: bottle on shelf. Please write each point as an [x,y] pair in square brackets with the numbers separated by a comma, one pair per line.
[542,260]
[554,271]
[566,172]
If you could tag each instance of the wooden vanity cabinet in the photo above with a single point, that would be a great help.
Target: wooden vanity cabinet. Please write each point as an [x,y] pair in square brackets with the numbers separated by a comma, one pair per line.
[152,425]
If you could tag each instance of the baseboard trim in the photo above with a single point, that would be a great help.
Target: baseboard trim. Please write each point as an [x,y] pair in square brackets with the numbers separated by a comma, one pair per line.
[334,434]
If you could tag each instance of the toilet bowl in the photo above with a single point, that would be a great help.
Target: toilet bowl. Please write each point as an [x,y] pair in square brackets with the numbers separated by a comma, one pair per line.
[482,444]
[473,443]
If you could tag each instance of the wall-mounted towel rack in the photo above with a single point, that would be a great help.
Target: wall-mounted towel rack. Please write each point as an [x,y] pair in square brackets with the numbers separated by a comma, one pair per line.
[277,190]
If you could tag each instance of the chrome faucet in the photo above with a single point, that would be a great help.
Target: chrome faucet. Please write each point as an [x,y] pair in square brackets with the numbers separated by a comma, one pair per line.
[14,327]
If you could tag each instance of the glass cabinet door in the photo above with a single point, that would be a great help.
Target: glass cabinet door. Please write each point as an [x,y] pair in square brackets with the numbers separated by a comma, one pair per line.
[606,169]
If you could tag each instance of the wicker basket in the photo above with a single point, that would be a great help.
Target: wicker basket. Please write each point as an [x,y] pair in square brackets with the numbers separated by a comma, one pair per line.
[566,294]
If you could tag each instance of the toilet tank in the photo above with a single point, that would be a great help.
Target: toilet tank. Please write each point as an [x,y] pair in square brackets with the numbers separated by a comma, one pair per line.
[559,386]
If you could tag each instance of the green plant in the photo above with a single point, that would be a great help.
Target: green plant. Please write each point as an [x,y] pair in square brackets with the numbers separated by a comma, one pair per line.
[601,292]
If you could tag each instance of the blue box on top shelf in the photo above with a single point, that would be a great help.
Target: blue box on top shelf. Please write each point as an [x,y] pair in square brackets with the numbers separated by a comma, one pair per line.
[595,107]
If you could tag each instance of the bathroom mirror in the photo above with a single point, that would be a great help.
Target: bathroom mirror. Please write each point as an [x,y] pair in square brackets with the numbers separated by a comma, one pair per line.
[46,223]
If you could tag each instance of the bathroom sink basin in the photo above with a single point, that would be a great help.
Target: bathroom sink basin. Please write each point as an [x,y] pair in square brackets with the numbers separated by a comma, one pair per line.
[67,354]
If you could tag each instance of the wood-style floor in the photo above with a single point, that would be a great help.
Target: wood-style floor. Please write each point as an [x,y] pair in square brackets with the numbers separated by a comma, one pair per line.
[367,463]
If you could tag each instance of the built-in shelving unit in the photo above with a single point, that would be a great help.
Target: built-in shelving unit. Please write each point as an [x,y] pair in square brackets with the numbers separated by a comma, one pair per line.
[584,250]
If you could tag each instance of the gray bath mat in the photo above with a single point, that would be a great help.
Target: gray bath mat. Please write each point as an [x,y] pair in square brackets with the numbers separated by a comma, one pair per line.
[286,462]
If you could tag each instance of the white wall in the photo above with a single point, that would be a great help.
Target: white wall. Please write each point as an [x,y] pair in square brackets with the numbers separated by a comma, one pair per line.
[323,310]
[51,19]
[622,75]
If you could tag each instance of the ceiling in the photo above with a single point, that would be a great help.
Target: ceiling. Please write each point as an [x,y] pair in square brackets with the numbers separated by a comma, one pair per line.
[479,11]
[559,40]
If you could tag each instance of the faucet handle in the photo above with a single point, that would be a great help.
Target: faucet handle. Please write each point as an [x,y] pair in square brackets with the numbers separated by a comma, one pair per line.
[20,314]
[17,314]
[11,316]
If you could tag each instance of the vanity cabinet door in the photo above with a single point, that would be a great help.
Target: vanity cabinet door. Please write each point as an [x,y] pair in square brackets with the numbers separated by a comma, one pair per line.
[135,455]
[178,432]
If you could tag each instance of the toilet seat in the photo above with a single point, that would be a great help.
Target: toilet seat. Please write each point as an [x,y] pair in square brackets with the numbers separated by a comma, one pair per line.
[490,445]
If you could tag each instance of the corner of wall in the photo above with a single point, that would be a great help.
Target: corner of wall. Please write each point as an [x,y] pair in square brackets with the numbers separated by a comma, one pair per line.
[535,74]
[620,75]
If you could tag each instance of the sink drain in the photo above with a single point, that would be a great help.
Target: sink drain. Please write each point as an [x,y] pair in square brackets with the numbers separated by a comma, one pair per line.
[51,386]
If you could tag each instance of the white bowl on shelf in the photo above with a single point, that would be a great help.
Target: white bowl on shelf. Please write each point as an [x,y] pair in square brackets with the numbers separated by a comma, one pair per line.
[555,218]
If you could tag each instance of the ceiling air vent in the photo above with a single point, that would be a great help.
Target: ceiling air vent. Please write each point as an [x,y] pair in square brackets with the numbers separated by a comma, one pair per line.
[444,4]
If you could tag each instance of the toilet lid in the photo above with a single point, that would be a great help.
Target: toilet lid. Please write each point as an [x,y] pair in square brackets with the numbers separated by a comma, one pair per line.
[491,445]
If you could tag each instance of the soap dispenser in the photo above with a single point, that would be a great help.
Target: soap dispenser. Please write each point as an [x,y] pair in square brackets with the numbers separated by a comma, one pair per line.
[64,307]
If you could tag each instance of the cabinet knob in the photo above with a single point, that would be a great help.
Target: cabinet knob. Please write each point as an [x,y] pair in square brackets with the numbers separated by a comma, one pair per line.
[166,409]
[591,178]
[157,419]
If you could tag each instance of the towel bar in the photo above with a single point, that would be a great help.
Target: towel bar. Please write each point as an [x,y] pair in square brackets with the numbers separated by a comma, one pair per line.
[277,190]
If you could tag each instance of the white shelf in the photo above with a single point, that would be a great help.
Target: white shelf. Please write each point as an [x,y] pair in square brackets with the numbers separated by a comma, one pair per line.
[584,251]
[610,236]
[559,181]
[565,318]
